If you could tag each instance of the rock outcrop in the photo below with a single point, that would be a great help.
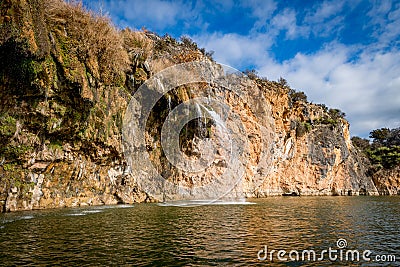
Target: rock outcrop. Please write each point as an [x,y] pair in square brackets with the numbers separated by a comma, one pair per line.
[387,181]
[67,78]
[63,98]
[314,154]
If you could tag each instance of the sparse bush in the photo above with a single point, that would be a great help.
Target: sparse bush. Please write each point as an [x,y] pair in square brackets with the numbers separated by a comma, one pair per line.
[56,145]
[283,82]
[336,114]
[326,120]
[8,125]
[302,128]
[333,117]
[161,45]
[15,151]
[90,37]
[137,44]
[189,43]
[362,143]
[297,96]
[208,54]
[252,74]
[323,106]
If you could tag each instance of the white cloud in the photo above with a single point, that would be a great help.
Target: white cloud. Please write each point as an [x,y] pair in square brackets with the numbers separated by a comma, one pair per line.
[392,29]
[363,81]
[262,10]
[378,11]
[158,14]
[286,20]
[384,18]
[367,90]
[325,18]
[324,10]
[234,49]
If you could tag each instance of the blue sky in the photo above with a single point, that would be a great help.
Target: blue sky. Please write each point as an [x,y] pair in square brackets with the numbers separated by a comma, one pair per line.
[344,53]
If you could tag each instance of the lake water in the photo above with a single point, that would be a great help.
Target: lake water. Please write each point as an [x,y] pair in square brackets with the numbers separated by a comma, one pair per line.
[210,235]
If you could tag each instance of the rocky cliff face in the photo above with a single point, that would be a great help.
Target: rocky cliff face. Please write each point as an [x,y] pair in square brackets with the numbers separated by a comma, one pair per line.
[63,97]
[387,181]
[67,78]
[314,154]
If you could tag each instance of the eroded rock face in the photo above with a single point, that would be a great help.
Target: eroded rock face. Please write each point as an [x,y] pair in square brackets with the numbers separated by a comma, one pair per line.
[79,182]
[313,156]
[286,146]
[229,133]
[318,163]
[63,98]
[387,181]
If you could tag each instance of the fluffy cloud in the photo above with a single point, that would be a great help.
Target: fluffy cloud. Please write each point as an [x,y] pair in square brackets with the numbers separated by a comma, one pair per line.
[367,89]
[155,14]
[363,80]
[347,50]
[261,10]
[325,19]
[384,19]
[234,49]
[287,21]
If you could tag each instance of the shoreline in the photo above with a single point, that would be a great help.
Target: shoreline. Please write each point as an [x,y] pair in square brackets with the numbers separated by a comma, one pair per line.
[210,202]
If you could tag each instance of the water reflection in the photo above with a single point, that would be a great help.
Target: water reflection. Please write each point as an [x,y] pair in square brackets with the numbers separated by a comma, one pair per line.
[211,235]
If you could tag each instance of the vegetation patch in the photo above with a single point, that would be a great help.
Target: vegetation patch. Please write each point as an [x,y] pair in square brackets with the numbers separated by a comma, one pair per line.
[302,128]
[8,125]
[384,150]
[332,117]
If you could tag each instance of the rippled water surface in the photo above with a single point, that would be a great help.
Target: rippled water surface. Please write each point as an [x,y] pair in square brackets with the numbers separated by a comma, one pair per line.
[211,235]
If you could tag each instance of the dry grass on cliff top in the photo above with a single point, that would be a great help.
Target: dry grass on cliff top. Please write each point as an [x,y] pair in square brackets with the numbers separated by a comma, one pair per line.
[91,36]
[138,45]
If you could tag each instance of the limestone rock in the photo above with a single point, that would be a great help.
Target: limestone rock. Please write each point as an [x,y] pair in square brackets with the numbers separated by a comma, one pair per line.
[63,98]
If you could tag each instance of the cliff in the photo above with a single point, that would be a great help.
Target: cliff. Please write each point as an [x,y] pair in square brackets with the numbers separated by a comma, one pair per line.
[387,181]
[63,97]
[67,79]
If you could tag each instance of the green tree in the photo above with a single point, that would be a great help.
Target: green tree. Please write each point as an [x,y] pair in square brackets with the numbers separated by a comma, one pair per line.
[393,138]
[380,136]
[384,152]
[297,96]
[336,113]
[361,143]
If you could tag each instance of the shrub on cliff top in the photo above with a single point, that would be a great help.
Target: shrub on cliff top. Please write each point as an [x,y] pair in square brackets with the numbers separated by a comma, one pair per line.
[251,73]
[89,36]
[333,117]
[188,42]
[137,44]
[297,96]
[336,114]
